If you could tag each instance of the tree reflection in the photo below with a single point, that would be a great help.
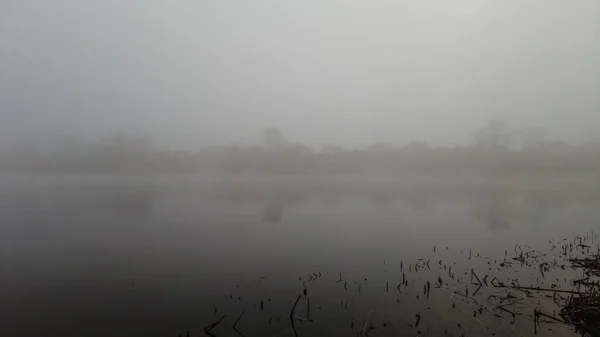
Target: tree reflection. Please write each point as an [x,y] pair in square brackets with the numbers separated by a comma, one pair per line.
[492,208]
[273,212]
[276,204]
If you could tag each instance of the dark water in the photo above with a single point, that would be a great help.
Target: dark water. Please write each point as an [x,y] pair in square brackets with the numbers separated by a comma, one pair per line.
[132,256]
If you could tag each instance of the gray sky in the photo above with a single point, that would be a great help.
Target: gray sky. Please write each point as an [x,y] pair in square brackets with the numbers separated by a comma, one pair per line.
[353,72]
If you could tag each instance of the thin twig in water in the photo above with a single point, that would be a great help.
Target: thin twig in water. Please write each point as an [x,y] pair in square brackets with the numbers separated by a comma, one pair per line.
[418,320]
[213,325]
[303,319]
[514,316]
[475,293]
[551,317]
[538,289]
[236,322]
[535,316]
[476,277]
[292,315]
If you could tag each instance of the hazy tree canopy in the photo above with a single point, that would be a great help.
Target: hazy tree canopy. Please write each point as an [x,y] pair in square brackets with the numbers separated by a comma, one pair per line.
[416,145]
[530,136]
[498,148]
[128,144]
[332,149]
[273,138]
[381,147]
[495,135]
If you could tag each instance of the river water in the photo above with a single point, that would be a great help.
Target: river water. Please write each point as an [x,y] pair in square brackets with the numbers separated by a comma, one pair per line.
[160,256]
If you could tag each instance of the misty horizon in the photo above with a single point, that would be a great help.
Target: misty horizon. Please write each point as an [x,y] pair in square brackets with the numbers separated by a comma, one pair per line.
[196,73]
[519,137]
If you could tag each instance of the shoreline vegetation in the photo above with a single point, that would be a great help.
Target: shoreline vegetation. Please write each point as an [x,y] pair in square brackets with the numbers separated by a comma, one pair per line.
[496,149]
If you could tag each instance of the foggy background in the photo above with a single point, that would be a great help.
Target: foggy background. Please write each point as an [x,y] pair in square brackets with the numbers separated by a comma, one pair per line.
[198,73]
[164,163]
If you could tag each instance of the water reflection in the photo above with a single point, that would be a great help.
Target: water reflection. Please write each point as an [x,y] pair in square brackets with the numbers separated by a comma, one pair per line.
[130,203]
[273,212]
[118,203]
[276,204]
[492,208]
[147,251]
[498,208]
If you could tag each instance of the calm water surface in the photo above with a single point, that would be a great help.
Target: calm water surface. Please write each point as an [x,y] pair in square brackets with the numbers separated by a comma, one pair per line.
[139,256]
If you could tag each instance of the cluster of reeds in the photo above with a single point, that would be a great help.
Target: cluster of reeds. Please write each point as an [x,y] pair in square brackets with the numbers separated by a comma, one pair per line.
[590,264]
[583,312]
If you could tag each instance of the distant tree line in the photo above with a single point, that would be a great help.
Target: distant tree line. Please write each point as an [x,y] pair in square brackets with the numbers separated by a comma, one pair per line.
[496,148]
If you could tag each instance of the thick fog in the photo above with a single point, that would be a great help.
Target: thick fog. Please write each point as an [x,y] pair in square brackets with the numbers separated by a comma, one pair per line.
[299,168]
[353,73]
